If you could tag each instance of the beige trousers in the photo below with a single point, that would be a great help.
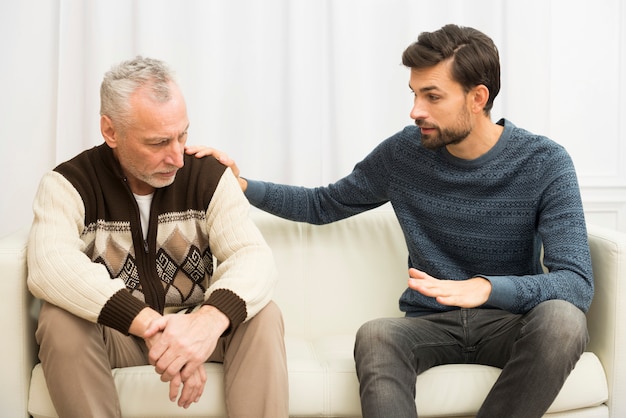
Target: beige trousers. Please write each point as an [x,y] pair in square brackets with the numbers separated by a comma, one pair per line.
[77,357]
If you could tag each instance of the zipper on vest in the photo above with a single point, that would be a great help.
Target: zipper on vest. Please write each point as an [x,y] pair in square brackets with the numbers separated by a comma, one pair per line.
[144,258]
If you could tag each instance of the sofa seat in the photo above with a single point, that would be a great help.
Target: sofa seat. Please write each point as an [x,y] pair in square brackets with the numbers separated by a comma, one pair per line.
[323,382]
[332,279]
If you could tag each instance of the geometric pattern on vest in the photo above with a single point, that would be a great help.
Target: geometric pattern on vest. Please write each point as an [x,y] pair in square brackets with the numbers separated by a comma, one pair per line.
[128,273]
[183,269]
[113,249]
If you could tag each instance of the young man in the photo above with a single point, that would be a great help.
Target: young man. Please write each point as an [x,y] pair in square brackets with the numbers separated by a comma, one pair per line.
[476,201]
[121,252]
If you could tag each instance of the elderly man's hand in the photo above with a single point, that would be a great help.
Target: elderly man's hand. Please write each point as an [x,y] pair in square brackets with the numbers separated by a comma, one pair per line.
[180,344]
[192,390]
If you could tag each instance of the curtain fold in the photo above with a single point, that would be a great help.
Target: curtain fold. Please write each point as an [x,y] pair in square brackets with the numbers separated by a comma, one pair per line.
[300,91]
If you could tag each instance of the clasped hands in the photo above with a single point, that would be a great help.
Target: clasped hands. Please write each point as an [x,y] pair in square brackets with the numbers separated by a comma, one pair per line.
[468,293]
[179,345]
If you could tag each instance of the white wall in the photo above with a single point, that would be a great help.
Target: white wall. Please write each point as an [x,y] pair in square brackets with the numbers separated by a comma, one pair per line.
[299,91]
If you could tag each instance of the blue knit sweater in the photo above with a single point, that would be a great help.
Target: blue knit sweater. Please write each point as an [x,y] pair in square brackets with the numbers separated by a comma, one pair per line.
[486,217]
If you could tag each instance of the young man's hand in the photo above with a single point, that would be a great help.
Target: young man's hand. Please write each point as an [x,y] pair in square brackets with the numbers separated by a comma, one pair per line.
[200,151]
[468,293]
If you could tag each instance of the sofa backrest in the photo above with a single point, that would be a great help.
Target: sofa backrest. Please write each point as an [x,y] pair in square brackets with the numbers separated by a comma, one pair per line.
[333,278]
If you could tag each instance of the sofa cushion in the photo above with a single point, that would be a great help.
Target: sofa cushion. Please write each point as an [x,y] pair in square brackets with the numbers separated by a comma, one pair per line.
[322,372]
[333,278]
[142,395]
[323,382]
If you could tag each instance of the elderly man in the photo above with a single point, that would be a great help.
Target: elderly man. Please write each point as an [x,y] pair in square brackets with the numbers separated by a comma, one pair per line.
[122,253]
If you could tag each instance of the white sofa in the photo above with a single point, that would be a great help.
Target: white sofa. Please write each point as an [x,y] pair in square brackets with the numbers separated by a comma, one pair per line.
[332,279]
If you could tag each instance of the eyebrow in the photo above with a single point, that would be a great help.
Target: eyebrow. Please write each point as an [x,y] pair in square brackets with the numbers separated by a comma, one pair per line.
[425,89]
[185,130]
[161,138]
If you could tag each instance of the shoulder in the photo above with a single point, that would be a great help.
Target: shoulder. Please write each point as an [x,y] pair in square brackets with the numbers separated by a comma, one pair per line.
[207,170]
[403,141]
[530,140]
[56,184]
[410,135]
[77,168]
[205,164]
[194,186]
[539,148]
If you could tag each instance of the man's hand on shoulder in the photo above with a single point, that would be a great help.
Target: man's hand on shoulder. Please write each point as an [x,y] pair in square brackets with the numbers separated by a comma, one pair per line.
[468,293]
[200,151]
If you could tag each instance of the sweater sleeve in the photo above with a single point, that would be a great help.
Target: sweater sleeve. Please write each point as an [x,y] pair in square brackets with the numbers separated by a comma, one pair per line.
[563,233]
[245,276]
[365,188]
[58,269]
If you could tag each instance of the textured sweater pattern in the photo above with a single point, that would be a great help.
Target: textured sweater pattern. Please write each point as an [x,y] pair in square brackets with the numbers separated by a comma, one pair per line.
[87,253]
[486,217]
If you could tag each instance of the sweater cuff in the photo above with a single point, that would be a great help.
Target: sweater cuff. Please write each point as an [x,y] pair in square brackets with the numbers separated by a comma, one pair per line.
[255,192]
[230,305]
[503,292]
[120,311]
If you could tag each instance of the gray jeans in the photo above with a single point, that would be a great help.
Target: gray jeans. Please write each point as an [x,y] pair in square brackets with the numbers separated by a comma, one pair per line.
[536,352]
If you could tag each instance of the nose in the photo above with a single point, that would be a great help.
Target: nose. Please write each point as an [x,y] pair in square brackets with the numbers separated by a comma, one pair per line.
[175,154]
[418,111]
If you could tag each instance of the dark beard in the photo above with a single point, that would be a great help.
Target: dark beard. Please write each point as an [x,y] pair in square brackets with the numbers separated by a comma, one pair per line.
[444,137]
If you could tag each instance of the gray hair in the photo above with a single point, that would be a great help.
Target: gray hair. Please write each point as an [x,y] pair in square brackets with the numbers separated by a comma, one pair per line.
[122,80]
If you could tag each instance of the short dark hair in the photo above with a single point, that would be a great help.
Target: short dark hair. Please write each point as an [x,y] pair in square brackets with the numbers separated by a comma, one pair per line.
[475,57]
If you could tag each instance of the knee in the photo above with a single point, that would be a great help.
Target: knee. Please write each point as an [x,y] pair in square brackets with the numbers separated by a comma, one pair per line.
[562,317]
[373,336]
[560,323]
[63,333]
[271,313]
[269,320]
[368,332]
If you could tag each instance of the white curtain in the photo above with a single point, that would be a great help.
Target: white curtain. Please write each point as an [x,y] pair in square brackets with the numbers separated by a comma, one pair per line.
[298,91]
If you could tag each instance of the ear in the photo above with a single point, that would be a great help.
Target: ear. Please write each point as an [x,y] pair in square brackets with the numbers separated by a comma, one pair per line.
[109,133]
[479,97]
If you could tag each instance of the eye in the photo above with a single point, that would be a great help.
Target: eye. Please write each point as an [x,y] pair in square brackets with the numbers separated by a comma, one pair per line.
[160,143]
[433,97]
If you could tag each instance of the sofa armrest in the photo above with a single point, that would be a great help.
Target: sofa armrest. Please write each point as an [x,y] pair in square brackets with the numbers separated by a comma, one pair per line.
[607,316]
[18,326]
